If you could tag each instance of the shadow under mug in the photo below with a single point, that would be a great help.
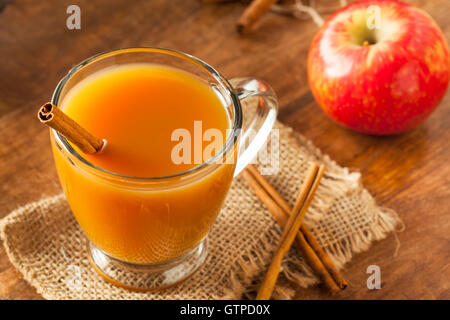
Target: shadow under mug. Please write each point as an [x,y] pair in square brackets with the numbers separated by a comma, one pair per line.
[151,232]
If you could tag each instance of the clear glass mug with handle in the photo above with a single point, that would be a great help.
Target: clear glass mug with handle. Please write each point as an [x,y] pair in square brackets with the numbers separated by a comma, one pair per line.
[132,240]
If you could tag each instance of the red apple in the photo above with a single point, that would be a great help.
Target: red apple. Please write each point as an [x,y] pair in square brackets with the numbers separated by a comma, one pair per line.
[379,67]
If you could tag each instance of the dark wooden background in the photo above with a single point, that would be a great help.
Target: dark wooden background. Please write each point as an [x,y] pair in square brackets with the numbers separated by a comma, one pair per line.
[409,173]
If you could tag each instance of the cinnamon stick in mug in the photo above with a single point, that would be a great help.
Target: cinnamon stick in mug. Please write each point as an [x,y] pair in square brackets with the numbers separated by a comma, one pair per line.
[53,117]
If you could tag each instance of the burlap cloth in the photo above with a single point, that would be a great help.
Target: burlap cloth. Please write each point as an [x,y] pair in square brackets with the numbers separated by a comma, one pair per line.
[44,242]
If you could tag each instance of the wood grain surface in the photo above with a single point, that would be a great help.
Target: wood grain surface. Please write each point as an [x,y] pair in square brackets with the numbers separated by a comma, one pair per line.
[409,172]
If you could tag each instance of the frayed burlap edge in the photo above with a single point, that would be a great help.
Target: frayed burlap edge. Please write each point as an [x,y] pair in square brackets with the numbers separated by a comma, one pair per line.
[27,275]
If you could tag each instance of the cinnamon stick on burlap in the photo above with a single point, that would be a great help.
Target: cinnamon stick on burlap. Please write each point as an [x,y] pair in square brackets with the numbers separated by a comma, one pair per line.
[281,215]
[280,209]
[302,203]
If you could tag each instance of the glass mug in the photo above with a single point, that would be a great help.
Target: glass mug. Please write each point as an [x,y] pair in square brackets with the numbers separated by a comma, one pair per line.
[133,241]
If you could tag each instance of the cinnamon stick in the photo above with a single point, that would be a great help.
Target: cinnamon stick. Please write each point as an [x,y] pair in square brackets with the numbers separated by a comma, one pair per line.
[216,1]
[253,12]
[53,117]
[318,259]
[280,210]
[290,231]
[329,265]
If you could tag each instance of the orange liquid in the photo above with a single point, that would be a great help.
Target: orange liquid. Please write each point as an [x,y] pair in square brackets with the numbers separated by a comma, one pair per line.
[136,108]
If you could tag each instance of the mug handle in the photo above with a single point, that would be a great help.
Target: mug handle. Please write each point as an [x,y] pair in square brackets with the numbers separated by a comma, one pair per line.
[258,129]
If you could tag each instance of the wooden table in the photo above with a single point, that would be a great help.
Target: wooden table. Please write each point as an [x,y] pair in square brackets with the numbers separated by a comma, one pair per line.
[409,173]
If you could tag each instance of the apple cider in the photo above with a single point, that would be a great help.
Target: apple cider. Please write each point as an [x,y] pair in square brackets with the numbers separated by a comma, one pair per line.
[136,108]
